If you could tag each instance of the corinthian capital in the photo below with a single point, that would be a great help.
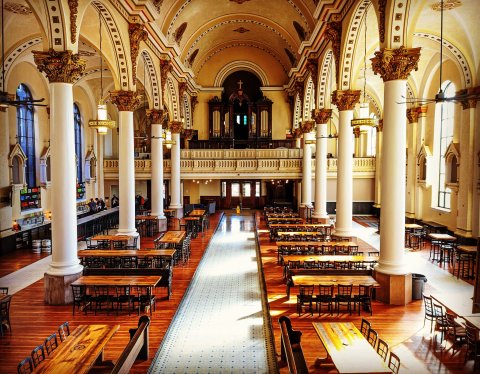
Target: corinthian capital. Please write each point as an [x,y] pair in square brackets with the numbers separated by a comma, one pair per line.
[175,127]
[321,115]
[125,101]
[412,115]
[59,66]
[345,100]
[155,116]
[307,126]
[394,64]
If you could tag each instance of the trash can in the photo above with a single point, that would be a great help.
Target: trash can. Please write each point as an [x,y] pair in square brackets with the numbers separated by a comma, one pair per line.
[418,285]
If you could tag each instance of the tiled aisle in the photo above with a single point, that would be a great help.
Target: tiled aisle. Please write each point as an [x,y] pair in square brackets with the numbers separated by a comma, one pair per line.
[218,327]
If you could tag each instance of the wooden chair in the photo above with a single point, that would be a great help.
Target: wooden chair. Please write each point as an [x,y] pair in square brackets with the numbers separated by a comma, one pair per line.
[305,297]
[324,296]
[3,290]
[25,366]
[80,298]
[5,314]
[145,299]
[372,337]
[394,363]
[38,355]
[382,349]
[455,330]
[441,323]
[90,244]
[63,331]
[365,328]
[344,296]
[363,298]
[51,343]
[124,297]
[102,298]
[132,245]
[429,314]
[473,345]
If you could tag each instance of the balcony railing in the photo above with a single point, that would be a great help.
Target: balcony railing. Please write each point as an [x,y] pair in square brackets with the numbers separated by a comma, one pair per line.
[234,163]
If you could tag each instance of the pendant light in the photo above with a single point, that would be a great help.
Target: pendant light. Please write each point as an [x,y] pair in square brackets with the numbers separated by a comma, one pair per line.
[102,123]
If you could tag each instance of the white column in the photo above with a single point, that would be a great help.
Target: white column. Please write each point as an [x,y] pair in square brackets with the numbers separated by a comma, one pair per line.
[175,202]
[392,218]
[157,171]
[412,116]
[64,179]
[378,164]
[126,166]
[307,170]
[101,175]
[320,211]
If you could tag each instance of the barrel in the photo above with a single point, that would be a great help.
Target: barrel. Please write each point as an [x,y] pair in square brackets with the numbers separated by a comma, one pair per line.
[46,246]
[36,246]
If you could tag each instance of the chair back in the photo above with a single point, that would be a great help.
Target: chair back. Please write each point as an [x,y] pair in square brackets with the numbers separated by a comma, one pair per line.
[382,349]
[427,300]
[365,290]
[38,355]
[51,343]
[345,290]
[63,331]
[306,291]
[365,327]
[372,337]
[394,363]
[3,290]
[325,289]
[25,366]
[78,292]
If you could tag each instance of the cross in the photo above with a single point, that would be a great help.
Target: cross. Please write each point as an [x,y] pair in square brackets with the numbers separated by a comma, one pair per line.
[240,84]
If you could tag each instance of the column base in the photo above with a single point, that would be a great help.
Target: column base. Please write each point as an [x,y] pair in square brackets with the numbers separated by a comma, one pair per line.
[134,234]
[320,219]
[57,288]
[344,234]
[162,224]
[178,210]
[395,289]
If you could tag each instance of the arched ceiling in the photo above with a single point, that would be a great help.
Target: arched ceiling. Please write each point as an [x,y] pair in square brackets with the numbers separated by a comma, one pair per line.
[212,28]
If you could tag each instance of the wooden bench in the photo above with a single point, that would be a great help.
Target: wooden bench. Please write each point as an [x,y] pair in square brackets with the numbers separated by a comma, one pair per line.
[324,272]
[291,349]
[166,273]
[137,348]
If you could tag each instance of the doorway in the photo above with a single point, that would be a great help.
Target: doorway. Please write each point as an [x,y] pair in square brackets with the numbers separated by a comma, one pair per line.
[243,193]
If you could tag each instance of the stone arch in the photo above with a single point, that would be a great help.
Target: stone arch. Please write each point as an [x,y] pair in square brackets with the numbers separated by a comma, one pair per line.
[308,100]
[458,56]
[187,111]
[51,16]
[173,102]
[120,52]
[327,64]
[297,111]
[350,43]
[154,84]
[234,66]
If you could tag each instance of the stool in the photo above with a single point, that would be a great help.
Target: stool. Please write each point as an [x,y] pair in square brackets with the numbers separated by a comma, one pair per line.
[464,265]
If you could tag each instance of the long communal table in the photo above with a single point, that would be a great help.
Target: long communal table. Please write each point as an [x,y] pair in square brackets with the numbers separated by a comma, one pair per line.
[354,280]
[329,258]
[167,253]
[80,350]
[114,280]
[458,303]
[172,237]
[112,238]
[348,349]
[281,246]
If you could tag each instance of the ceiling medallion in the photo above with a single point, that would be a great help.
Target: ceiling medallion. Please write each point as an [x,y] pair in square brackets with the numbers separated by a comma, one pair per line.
[241,30]
[17,8]
[239,1]
[447,5]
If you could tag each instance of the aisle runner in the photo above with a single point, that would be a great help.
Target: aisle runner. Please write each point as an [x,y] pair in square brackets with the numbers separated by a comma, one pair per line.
[218,327]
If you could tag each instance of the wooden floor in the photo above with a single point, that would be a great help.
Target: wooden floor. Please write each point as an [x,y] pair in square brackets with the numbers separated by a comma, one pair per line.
[400,326]
[33,320]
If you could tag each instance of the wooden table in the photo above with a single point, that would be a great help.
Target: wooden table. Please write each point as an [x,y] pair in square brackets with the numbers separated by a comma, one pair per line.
[114,280]
[127,253]
[79,351]
[441,239]
[354,280]
[460,304]
[331,258]
[348,349]
[333,244]
[469,249]
[112,238]
[172,237]
[197,212]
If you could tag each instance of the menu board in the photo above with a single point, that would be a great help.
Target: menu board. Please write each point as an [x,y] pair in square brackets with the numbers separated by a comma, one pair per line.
[30,198]
[81,191]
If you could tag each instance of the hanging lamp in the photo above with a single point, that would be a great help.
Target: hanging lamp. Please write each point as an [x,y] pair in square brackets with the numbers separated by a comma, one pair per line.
[101,123]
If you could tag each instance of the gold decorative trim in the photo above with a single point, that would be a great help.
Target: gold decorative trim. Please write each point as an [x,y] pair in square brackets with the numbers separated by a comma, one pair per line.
[395,64]
[307,126]
[155,116]
[59,66]
[345,99]
[333,33]
[382,4]
[297,133]
[137,34]
[471,102]
[125,101]
[175,127]
[165,68]
[73,5]
[321,115]
[379,127]
[356,132]
[193,103]
[412,115]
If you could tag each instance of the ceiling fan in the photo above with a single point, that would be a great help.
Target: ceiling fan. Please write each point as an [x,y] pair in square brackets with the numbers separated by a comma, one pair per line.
[7,99]
[442,95]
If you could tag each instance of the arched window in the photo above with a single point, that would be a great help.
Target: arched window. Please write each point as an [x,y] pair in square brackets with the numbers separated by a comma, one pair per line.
[26,133]
[77,122]
[444,122]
